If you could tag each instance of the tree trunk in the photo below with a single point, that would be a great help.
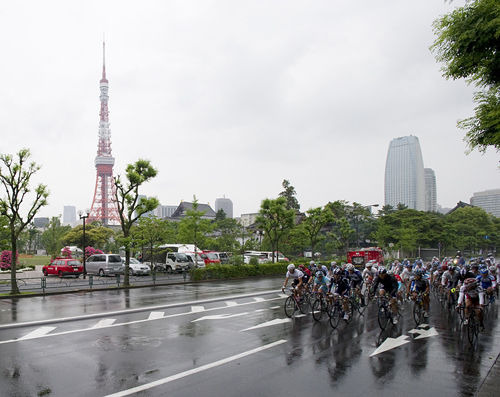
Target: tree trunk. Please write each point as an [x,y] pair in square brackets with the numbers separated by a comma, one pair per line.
[126,279]
[14,289]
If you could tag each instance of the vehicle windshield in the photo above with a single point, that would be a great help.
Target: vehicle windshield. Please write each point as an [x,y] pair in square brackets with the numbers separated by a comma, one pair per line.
[134,261]
[211,255]
[181,257]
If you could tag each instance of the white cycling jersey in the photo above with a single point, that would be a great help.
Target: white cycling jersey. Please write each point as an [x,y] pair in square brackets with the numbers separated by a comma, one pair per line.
[295,275]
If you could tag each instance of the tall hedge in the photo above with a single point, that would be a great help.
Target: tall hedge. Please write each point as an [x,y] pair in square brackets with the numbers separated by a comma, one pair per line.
[221,272]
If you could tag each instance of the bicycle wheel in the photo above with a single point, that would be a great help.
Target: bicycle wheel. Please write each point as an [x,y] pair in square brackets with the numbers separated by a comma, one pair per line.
[418,312]
[303,305]
[472,330]
[290,306]
[361,305]
[317,309]
[383,317]
[335,316]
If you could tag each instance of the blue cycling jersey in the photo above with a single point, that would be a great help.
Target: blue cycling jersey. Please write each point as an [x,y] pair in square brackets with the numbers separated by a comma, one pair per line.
[485,282]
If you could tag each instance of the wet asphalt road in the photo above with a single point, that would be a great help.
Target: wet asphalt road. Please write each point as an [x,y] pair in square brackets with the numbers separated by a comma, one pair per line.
[213,339]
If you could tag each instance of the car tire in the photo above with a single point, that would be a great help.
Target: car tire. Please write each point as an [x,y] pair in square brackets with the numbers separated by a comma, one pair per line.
[101,273]
[45,272]
[60,274]
[168,269]
[77,276]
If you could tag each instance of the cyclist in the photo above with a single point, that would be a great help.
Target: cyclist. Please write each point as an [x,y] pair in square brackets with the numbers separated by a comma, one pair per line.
[487,282]
[306,278]
[473,294]
[321,283]
[356,281]
[420,285]
[342,289]
[297,276]
[459,259]
[465,273]
[390,287]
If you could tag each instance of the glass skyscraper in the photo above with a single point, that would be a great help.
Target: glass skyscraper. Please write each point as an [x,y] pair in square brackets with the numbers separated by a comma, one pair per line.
[430,190]
[404,174]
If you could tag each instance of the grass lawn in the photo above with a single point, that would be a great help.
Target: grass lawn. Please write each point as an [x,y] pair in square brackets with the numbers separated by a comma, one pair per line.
[34,261]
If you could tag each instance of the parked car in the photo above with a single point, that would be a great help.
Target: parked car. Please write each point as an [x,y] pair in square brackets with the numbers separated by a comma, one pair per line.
[104,264]
[64,267]
[210,258]
[137,268]
[199,260]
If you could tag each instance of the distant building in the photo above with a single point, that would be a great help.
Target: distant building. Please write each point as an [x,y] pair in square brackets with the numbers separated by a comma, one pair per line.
[460,204]
[41,223]
[69,215]
[247,220]
[404,174]
[430,190]
[181,210]
[488,200]
[225,205]
[165,211]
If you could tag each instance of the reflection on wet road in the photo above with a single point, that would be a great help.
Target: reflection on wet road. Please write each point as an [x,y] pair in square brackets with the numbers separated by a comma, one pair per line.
[224,341]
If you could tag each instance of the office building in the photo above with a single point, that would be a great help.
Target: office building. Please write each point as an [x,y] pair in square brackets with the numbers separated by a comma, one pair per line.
[225,205]
[488,200]
[430,190]
[69,215]
[404,174]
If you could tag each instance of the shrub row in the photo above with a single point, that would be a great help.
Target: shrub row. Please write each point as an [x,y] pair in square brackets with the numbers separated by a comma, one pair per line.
[221,272]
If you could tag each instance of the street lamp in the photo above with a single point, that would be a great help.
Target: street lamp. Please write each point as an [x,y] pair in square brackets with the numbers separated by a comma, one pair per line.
[84,216]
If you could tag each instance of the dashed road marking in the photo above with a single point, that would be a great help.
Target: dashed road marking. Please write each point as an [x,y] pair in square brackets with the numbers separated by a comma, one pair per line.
[156,315]
[37,333]
[269,323]
[219,317]
[197,309]
[105,323]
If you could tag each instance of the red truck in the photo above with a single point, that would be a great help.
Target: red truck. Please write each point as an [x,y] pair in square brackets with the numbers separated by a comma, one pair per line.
[360,257]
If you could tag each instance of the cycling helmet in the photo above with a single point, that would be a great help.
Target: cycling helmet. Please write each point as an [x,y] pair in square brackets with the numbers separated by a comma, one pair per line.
[291,267]
[333,263]
[382,271]
[368,265]
[350,266]
[408,264]
[452,268]
[484,271]
[337,272]
[311,263]
[492,269]
[418,272]
[301,267]
[319,273]
[445,267]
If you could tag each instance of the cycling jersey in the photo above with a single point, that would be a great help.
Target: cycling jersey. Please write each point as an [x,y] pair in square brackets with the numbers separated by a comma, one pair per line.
[355,278]
[419,285]
[389,284]
[450,280]
[473,294]
[322,283]
[486,282]
[342,286]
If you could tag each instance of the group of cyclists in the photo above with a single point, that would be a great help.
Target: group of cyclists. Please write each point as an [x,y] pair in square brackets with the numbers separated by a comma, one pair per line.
[475,282]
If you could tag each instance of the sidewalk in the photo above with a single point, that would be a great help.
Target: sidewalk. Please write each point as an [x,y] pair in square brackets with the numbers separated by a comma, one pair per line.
[491,384]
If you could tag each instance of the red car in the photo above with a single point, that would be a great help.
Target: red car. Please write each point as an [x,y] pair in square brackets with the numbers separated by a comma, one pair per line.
[64,267]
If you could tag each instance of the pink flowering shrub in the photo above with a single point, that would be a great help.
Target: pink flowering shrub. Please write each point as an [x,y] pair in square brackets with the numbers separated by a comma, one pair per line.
[66,252]
[6,260]
[92,251]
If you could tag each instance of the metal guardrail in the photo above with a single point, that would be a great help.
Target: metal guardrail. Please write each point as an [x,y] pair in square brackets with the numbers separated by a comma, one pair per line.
[53,283]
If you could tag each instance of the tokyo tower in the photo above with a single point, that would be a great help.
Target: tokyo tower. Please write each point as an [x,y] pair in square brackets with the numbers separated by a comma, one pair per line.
[104,208]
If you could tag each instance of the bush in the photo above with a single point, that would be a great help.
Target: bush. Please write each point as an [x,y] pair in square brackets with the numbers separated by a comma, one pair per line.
[221,272]
[254,261]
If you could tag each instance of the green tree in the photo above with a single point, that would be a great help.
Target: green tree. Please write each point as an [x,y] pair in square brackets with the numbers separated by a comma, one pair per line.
[276,220]
[227,230]
[15,178]
[193,228]
[149,233]
[130,206]
[95,236]
[289,194]
[468,44]
[52,236]
[312,224]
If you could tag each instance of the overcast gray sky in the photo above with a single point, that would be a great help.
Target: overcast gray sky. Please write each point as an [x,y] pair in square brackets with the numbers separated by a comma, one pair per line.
[231,97]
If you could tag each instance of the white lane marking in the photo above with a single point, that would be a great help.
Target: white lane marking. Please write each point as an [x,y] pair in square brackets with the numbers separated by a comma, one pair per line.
[275,307]
[269,323]
[105,323]
[423,333]
[129,323]
[230,303]
[261,310]
[37,333]
[128,311]
[156,315]
[300,315]
[219,317]
[197,309]
[194,370]
[258,299]
[391,343]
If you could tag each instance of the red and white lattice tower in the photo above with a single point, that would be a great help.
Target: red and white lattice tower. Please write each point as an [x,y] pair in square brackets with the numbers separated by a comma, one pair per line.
[104,208]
